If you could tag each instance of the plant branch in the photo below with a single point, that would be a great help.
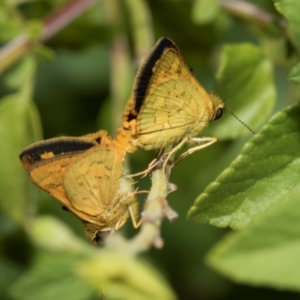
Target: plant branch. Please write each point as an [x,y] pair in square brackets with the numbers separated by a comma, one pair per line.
[156,208]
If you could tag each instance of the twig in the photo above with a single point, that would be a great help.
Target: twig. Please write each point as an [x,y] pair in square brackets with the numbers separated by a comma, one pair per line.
[60,19]
[156,208]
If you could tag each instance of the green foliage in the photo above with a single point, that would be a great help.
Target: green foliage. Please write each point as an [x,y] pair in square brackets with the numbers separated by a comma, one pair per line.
[289,9]
[245,70]
[51,276]
[205,11]
[294,75]
[124,278]
[68,259]
[78,81]
[19,125]
[267,250]
[262,174]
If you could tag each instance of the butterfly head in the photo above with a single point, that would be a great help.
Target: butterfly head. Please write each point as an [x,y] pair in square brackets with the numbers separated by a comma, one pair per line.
[218,107]
[100,236]
[95,233]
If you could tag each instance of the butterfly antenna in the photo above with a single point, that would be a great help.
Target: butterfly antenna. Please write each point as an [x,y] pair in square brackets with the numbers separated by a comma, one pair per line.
[240,120]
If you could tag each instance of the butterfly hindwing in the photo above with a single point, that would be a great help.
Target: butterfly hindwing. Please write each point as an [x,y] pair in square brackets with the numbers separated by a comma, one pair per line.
[97,186]
[91,182]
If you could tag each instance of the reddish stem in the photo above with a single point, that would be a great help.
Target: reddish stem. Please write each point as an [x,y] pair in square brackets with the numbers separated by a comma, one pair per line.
[60,19]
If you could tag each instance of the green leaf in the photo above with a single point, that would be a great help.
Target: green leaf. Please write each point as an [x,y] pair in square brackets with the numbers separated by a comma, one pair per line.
[266,170]
[205,11]
[18,2]
[105,270]
[11,271]
[10,24]
[246,84]
[51,277]
[294,74]
[124,278]
[19,126]
[267,252]
[121,67]
[290,10]
[58,238]
[34,30]
[139,12]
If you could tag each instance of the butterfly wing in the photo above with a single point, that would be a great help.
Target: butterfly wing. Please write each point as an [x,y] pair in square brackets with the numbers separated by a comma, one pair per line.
[46,161]
[92,180]
[95,185]
[168,103]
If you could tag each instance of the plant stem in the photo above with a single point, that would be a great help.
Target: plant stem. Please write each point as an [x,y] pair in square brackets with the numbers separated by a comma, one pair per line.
[156,209]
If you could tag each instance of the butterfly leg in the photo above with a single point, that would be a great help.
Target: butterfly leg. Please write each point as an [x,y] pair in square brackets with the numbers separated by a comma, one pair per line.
[175,149]
[132,213]
[133,207]
[142,192]
[203,141]
[144,173]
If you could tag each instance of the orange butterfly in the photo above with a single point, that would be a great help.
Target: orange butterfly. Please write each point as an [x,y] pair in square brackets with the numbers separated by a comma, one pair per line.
[86,175]
[168,106]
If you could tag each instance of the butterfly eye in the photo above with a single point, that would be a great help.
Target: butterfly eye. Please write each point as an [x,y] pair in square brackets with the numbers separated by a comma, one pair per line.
[219,113]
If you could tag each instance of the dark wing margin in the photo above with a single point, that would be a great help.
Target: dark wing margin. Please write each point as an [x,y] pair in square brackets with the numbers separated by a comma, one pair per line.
[145,73]
[57,146]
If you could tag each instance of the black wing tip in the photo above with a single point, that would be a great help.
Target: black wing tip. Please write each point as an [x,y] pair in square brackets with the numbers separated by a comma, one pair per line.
[145,73]
[166,41]
[60,146]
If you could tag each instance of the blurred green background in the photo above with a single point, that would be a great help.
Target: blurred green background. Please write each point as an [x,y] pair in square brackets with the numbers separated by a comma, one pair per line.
[80,80]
